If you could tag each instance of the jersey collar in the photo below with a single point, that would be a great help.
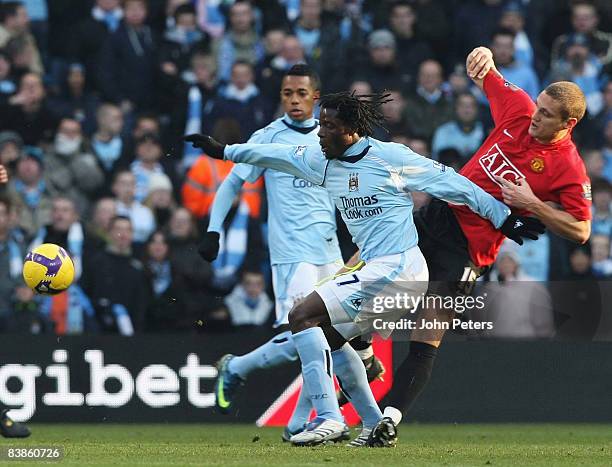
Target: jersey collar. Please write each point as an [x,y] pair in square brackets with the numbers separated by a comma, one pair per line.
[304,127]
[356,152]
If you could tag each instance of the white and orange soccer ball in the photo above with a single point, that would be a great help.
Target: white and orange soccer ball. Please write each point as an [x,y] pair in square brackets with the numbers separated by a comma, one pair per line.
[48,269]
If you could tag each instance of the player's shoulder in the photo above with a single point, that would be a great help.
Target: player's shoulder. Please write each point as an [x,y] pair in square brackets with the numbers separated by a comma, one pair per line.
[265,134]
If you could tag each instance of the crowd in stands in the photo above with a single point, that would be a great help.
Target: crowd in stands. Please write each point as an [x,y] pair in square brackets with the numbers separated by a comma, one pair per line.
[95,96]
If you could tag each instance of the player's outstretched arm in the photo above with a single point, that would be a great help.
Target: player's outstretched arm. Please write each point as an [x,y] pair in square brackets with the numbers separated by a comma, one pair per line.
[478,63]
[3,174]
[305,162]
[444,183]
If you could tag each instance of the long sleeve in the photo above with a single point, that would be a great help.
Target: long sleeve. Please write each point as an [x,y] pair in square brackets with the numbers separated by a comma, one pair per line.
[305,162]
[443,182]
[223,201]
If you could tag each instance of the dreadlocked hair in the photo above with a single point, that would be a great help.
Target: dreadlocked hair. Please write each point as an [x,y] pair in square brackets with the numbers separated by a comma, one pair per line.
[361,112]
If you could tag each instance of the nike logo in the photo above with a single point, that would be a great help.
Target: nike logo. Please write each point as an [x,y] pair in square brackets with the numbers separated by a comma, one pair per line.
[508,134]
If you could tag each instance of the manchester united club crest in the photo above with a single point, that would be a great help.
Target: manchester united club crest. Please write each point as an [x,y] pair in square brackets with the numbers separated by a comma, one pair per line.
[353,183]
[537,165]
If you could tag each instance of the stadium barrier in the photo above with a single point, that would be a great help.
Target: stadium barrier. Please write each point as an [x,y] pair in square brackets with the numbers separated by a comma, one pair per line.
[168,378]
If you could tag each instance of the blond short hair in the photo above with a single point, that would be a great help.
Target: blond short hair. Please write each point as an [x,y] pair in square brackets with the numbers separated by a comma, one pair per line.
[571,98]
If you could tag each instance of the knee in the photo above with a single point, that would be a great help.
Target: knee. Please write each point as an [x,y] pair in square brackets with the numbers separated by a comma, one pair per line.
[298,318]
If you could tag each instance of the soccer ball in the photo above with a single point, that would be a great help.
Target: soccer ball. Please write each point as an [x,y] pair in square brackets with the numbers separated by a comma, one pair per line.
[48,269]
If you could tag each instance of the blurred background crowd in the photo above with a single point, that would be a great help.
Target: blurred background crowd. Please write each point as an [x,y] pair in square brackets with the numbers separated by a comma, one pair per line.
[96,95]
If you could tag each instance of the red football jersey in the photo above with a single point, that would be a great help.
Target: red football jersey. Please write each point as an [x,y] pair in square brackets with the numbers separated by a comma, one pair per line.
[554,171]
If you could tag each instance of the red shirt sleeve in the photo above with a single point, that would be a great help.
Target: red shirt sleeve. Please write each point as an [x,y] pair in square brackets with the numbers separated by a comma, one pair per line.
[506,100]
[574,188]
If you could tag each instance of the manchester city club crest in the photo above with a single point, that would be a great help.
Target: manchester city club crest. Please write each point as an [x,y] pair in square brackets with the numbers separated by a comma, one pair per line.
[353,182]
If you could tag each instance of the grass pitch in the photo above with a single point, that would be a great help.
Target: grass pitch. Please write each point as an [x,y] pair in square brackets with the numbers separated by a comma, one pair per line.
[420,445]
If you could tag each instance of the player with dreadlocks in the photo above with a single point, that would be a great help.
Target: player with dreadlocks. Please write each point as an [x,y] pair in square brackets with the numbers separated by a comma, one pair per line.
[370,182]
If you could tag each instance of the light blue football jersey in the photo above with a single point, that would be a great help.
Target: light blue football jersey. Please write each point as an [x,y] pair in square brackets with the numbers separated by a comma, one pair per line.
[301,214]
[371,184]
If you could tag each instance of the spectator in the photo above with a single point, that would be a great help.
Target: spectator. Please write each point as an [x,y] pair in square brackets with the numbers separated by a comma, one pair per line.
[248,304]
[160,199]
[22,54]
[181,40]
[11,146]
[75,100]
[240,42]
[26,316]
[594,163]
[403,22]
[361,88]
[39,24]
[64,230]
[165,305]
[11,262]
[322,44]
[517,305]
[242,101]
[585,21]
[91,34]
[29,193]
[145,123]
[270,74]
[15,23]
[602,207]
[474,23]
[148,152]
[591,132]
[204,178]
[128,61]
[394,112]
[98,227]
[210,16]
[28,112]
[465,133]
[433,25]
[192,274]
[70,169]
[273,40]
[578,299]
[427,109]
[141,217]
[382,70]
[116,283]
[582,67]
[602,263]
[513,19]
[70,312]
[514,71]
[607,150]
[458,82]
[195,104]
[107,144]
[8,83]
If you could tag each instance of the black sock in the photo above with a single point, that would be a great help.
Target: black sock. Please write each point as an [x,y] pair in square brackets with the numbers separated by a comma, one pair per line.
[412,376]
[361,342]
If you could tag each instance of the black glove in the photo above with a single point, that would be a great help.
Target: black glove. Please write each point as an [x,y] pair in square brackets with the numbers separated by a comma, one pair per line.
[518,227]
[210,146]
[209,246]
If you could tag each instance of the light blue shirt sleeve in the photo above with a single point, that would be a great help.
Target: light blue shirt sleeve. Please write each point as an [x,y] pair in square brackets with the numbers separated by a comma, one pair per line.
[227,191]
[442,182]
[306,162]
